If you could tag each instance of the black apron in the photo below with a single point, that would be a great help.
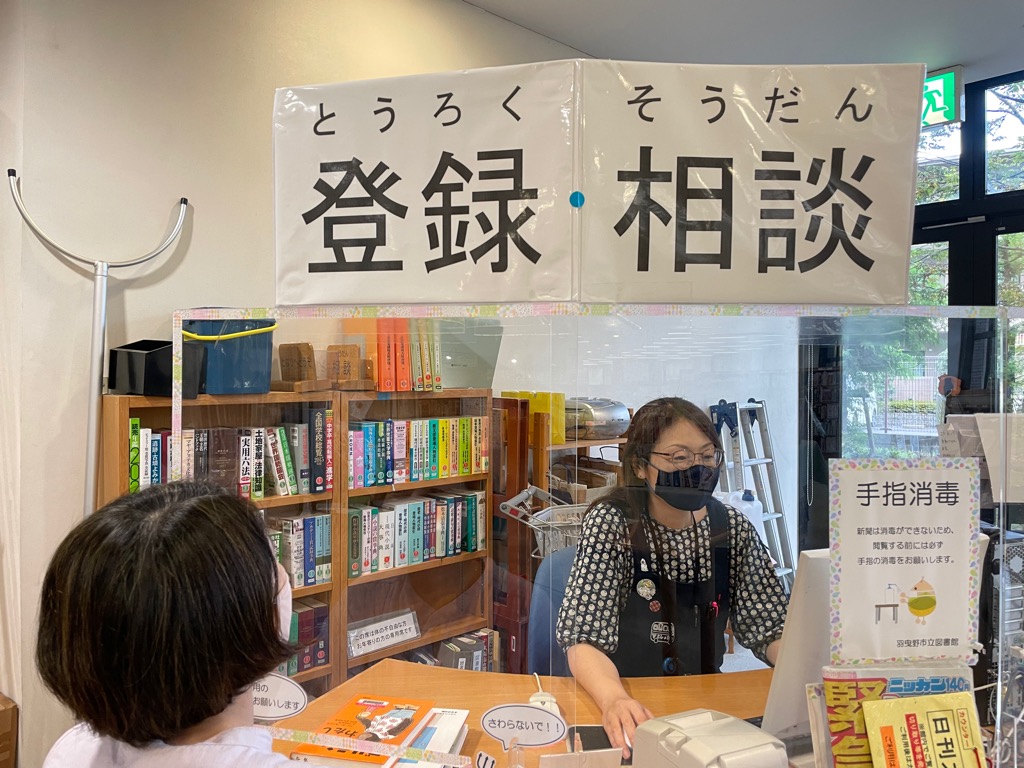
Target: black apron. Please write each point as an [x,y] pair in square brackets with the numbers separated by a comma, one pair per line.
[669,628]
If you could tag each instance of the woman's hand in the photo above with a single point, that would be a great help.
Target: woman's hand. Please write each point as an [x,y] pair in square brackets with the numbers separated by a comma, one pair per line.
[620,717]
[620,713]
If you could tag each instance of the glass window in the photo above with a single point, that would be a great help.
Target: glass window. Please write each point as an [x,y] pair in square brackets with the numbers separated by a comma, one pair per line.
[929,274]
[1004,138]
[938,164]
[1010,275]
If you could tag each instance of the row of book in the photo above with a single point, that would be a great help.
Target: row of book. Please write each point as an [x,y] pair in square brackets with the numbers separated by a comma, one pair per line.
[402,531]
[404,354]
[302,544]
[479,651]
[310,630]
[292,458]
[397,451]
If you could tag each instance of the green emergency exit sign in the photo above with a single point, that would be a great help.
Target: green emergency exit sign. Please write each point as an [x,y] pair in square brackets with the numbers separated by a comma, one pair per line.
[943,94]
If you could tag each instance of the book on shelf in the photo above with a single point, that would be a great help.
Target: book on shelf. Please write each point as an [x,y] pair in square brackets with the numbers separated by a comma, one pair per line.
[145,449]
[386,538]
[435,352]
[355,542]
[188,453]
[276,474]
[201,458]
[298,447]
[414,357]
[403,364]
[223,469]
[400,445]
[257,483]
[244,462]
[284,446]
[134,431]
[423,336]
[317,450]
[155,458]
[385,355]
[933,730]
[329,449]
[393,721]
[445,732]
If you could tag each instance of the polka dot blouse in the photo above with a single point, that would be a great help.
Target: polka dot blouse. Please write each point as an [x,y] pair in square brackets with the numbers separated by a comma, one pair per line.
[602,575]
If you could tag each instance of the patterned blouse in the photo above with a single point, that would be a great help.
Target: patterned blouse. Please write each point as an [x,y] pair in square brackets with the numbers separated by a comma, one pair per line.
[602,575]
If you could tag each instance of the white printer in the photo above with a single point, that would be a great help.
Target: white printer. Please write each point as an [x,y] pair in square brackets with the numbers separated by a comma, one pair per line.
[704,738]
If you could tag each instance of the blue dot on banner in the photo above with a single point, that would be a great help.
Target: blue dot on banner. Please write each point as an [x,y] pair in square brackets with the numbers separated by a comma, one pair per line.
[576,199]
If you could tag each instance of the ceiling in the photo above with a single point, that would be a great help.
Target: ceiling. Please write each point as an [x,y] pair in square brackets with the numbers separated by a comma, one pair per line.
[939,33]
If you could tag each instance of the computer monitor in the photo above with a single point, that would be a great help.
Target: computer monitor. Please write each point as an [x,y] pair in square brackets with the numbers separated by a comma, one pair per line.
[804,650]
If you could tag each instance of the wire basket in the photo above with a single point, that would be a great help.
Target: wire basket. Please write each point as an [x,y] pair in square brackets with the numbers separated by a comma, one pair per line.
[555,527]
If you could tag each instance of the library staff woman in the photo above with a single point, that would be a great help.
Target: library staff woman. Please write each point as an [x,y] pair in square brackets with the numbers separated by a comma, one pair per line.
[157,614]
[661,566]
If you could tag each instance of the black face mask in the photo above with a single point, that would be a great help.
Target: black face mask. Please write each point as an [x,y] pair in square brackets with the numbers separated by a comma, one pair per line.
[686,489]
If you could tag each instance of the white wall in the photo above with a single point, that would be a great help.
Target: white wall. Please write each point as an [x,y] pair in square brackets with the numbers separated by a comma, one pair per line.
[11,93]
[129,106]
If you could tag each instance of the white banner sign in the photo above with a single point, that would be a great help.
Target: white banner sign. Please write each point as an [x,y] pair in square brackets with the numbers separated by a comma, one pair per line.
[904,541]
[436,188]
[600,181]
[748,184]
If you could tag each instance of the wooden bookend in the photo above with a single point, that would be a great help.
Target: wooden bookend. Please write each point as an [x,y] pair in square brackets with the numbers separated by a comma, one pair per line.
[298,362]
[343,362]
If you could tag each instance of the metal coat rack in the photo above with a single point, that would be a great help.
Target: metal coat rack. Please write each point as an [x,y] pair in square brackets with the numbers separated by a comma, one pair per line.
[100,270]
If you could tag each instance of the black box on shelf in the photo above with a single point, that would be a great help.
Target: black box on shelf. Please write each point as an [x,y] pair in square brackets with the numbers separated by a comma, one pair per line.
[144,368]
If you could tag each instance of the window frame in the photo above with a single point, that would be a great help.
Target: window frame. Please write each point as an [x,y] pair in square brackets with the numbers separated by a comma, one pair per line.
[969,223]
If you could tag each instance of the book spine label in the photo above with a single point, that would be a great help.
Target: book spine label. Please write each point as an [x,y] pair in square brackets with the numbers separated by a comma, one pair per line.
[416,531]
[286,456]
[386,539]
[328,548]
[401,451]
[355,542]
[329,449]
[134,430]
[367,540]
[155,453]
[453,446]
[443,468]
[319,526]
[401,535]
[188,454]
[145,448]
[389,451]
[245,463]
[259,451]
[309,550]
[374,539]
[370,453]
[465,446]
[477,423]
[275,464]
[381,459]
[317,450]
[432,447]
[435,353]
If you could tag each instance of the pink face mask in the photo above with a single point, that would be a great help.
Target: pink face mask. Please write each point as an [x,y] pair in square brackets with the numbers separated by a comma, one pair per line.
[283,600]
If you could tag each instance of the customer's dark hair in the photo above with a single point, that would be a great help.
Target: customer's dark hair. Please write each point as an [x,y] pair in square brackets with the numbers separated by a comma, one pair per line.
[159,609]
[645,428]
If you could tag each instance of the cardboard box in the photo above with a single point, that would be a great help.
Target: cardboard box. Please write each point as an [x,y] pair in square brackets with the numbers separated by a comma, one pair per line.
[8,732]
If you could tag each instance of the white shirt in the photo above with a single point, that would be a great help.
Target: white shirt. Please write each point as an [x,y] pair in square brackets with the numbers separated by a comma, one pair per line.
[81,747]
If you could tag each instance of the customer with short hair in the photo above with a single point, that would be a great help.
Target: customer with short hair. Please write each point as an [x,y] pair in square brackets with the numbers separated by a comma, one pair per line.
[157,614]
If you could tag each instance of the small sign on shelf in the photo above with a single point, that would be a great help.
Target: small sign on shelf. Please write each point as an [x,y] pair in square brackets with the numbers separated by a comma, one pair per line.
[382,632]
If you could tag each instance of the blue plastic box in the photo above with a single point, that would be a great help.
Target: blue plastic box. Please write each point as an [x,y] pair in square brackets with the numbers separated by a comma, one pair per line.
[238,354]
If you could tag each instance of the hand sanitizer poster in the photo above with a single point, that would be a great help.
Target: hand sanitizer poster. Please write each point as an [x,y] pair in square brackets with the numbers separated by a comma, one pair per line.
[905,565]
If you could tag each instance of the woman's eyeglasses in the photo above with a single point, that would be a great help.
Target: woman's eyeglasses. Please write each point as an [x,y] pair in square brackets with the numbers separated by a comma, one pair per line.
[684,459]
